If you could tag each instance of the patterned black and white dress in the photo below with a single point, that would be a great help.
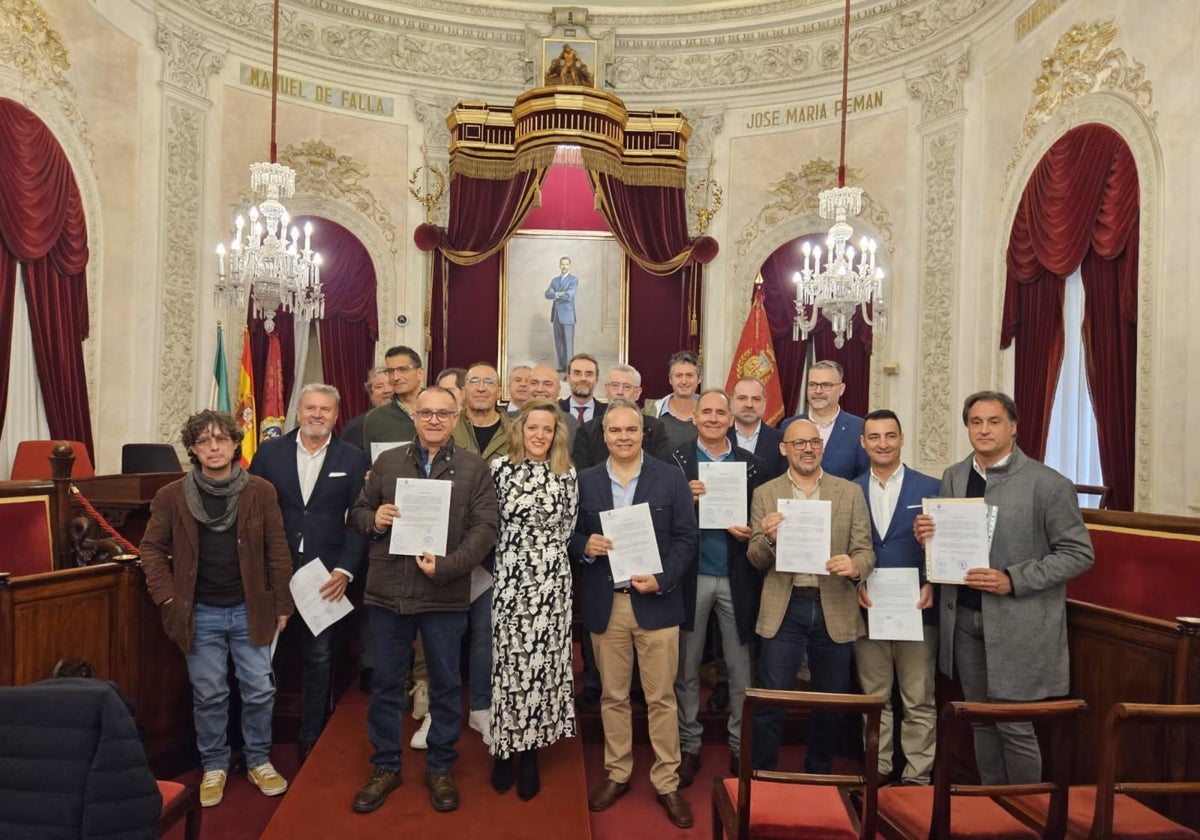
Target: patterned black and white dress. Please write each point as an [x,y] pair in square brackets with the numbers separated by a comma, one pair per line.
[532,690]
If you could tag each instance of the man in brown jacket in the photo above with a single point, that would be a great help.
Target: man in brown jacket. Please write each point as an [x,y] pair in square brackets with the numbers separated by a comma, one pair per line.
[216,561]
[427,593]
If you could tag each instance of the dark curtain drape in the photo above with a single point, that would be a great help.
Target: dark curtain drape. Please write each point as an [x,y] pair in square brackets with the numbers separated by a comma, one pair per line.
[485,213]
[42,226]
[779,296]
[1080,209]
[650,222]
[285,328]
[437,313]
[472,328]
[659,322]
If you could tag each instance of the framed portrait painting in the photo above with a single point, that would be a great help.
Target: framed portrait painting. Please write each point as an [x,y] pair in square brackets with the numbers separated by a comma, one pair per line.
[569,61]
[562,293]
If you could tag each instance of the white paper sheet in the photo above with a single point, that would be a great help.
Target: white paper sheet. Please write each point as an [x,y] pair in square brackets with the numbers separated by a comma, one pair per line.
[961,540]
[635,550]
[378,449]
[317,613]
[893,615]
[802,542]
[424,517]
[724,501]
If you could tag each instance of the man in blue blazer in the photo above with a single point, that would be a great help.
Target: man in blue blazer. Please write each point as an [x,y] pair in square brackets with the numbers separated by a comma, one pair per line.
[317,478]
[894,495]
[642,612]
[749,432]
[844,455]
[562,291]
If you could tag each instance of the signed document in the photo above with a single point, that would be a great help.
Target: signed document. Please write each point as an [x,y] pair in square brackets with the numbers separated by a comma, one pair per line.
[635,549]
[893,615]
[961,540]
[724,501]
[804,536]
[317,613]
[378,449]
[424,517]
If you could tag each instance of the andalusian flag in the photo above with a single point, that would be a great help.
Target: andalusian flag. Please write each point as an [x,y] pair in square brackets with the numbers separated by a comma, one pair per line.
[755,357]
[246,416]
[219,401]
[274,411]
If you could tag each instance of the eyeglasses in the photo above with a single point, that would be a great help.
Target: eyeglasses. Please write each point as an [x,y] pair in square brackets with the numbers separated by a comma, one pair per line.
[220,440]
[620,387]
[425,415]
[805,443]
[487,380]
[822,386]
[392,371]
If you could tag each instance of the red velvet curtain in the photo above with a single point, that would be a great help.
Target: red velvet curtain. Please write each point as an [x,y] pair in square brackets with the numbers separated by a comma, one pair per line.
[471,328]
[651,223]
[779,296]
[659,322]
[1080,209]
[42,226]
[485,213]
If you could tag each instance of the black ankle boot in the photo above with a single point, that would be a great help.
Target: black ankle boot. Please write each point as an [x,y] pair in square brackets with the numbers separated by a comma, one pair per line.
[502,774]
[528,782]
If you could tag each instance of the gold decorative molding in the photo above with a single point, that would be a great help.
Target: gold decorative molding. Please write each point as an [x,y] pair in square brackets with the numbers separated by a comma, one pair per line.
[1084,61]
[29,45]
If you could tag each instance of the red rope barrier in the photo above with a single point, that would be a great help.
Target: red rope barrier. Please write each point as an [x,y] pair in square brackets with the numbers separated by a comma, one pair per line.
[103,523]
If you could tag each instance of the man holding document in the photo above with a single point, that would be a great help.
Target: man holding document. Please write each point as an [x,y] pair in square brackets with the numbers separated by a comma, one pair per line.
[1004,628]
[812,537]
[430,511]
[635,539]
[317,478]
[902,636]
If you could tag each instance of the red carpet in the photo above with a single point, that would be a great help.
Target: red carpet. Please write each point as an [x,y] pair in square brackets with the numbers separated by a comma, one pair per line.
[318,803]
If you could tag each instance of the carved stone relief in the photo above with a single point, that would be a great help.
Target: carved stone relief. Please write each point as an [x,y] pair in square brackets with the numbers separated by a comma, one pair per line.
[188,61]
[431,112]
[939,85]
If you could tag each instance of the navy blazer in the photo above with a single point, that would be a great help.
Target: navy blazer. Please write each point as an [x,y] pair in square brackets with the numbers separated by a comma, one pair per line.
[745,581]
[766,449]
[322,522]
[665,490]
[898,548]
[844,455]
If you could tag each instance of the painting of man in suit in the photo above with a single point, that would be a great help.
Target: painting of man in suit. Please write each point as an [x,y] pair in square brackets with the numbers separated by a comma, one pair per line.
[562,291]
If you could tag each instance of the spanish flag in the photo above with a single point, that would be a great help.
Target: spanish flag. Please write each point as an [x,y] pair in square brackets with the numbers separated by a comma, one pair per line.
[246,416]
[273,409]
[755,357]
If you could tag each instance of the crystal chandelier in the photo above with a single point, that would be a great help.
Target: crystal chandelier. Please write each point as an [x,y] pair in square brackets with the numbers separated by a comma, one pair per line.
[266,258]
[840,286]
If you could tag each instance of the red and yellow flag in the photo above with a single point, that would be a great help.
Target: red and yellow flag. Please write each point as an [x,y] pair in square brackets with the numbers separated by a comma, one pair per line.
[246,416]
[755,357]
[273,410]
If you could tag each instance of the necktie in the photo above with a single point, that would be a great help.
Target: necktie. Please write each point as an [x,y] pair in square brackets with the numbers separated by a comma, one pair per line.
[580,410]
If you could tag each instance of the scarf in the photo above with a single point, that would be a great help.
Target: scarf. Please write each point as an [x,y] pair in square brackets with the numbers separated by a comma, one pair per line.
[228,488]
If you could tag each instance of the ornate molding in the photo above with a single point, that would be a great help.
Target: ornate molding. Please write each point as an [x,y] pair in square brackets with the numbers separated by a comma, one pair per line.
[939,85]
[188,62]
[35,51]
[321,171]
[181,264]
[1083,62]
[431,112]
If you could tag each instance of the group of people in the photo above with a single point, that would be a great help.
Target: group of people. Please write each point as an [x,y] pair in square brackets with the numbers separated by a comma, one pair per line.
[531,485]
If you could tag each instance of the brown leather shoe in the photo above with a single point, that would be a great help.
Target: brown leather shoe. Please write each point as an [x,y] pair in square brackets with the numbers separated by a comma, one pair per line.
[678,811]
[608,792]
[689,763]
[375,792]
[443,795]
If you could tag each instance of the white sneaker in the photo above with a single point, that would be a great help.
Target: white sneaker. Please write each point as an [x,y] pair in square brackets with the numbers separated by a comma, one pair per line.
[481,721]
[420,699]
[419,737]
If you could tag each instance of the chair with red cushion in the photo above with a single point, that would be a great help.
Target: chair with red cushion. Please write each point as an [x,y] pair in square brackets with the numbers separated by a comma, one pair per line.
[771,805]
[180,802]
[926,812]
[1105,810]
[32,460]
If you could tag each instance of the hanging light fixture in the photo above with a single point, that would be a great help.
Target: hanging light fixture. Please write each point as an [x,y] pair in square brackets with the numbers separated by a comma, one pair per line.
[840,286]
[265,257]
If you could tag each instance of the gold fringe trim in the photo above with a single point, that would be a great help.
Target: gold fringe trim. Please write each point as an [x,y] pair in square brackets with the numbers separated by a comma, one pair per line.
[640,174]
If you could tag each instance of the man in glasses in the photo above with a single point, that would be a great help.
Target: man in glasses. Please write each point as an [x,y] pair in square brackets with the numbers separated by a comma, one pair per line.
[393,422]
[624,383]
[840,430]
[427,593]
[804,615]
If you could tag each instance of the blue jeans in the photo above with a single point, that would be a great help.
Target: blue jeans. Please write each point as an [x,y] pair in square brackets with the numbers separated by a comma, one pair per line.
[221,632]
[318,669]
[441,637]
[802,632]
[479,676]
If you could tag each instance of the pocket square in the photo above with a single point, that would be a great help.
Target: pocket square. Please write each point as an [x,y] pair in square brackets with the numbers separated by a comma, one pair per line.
[337,475]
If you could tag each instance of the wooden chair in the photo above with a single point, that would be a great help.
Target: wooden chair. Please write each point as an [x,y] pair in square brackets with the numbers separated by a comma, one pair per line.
[771,805]
[1106,810]
[1103,491]
[921,812]
[149,458]
[180,802]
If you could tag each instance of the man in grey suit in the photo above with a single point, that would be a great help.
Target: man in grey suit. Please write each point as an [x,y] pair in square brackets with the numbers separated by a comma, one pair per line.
[1005,630]
[806,615]
[562,290]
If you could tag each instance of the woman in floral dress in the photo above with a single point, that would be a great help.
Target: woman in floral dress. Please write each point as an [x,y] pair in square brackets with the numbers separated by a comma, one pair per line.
[532,691]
